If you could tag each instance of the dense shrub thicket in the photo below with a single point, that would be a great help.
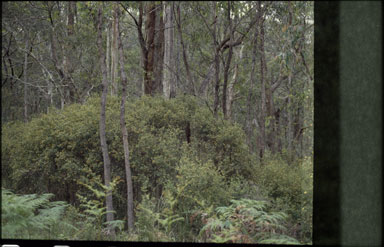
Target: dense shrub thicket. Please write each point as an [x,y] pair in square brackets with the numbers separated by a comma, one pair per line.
[185,164]
[54,151]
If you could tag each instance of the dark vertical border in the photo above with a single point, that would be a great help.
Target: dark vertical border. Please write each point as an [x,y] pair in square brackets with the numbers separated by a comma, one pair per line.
[326,218]
[361,123]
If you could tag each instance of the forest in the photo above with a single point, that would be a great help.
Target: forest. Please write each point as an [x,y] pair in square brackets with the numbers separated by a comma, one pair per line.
[157,121]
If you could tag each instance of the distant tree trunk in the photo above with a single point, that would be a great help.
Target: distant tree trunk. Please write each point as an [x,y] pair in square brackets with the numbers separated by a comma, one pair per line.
[290,127]
[231,91]
[168,81]
[150,46]
[217,62]
[124,128]
[70,93]
[250,103]
[158,66]
[185,58]
[114,58]
[262,81]
[289,111]
[26,78]
[103,140]
[108,56]
[227,63]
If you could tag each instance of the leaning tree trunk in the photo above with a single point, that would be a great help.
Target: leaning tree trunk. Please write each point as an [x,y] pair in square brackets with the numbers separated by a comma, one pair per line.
[103,140]
[124,127]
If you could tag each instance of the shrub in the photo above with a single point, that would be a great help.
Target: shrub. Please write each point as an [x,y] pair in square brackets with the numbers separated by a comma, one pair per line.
[59,148]
[291,189]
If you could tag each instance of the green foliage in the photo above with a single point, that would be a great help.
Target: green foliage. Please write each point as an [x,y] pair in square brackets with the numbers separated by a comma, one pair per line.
[30,216]
[93,209]
[154,226]
[246,221]
[59,148]
[291,189]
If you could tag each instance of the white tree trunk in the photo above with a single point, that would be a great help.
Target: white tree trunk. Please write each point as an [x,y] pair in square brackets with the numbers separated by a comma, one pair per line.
[168,81]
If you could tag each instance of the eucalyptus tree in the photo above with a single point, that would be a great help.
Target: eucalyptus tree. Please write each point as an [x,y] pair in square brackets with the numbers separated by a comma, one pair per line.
[128,174]
[103,140]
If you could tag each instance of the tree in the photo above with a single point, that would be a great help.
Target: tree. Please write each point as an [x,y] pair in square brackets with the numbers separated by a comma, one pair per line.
[123,126]
[169,65]
[103,140]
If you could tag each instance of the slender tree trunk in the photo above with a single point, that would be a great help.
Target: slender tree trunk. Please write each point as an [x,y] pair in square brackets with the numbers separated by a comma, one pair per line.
[158,63]
[26,78]
[124,127]
[103,139]
[227,63]
[169,79]
[108,52]
[114,58]
[185,58]
[231,90]
[217,62]
[69,49]
[150,46]
[250,103]
[262,81]
[290,128]
[289,112]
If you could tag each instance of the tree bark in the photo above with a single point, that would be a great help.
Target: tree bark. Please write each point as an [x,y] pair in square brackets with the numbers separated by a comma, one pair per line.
[227,63]
[108,56]
[217,62]
[158,63]
[69,50]
[169,79]
[26,78]
[150,47]
[103,140]
[250,103]
[262,81]
[231,91]
[124,127]
[114,57]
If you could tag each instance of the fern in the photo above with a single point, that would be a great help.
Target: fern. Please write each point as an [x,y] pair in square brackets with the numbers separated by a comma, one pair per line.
[247,221]
[25,215]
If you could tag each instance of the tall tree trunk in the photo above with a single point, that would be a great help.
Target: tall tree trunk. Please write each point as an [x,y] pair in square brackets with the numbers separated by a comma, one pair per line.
[231,86]
[289,112]
[168,81]
[250,103]
[185,58]
[262,81]
[217,62]
[124,127]
[114,58]
[158,59]
[150,46]
[108,52]
[228,62]
[103,139]
[26,78]
[69,50]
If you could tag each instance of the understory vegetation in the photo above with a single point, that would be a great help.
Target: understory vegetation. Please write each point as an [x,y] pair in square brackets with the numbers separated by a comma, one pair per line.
[194,178]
